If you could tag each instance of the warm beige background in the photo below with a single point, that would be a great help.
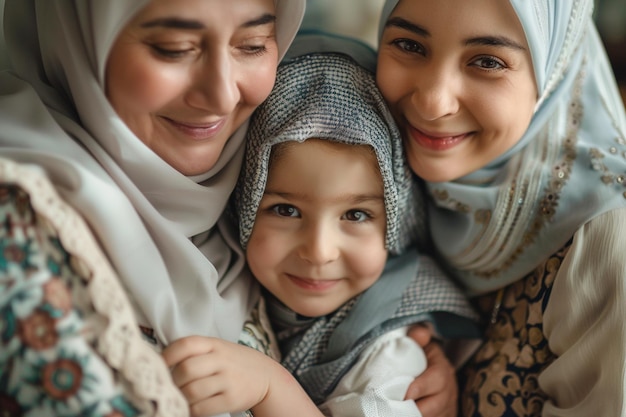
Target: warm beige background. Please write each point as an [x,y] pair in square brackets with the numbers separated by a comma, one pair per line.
[3,59]
[357,18]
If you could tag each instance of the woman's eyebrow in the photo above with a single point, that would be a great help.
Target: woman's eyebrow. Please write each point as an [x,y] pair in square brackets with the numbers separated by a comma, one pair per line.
[260,21]
[190,24]
[502,41]
[401,23]
[174,23]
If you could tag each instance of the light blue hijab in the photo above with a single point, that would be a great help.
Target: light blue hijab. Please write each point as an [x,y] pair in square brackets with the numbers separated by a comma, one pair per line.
[498,223]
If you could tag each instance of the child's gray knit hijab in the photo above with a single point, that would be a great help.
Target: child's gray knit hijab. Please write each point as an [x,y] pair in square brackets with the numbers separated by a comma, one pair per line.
[330,96]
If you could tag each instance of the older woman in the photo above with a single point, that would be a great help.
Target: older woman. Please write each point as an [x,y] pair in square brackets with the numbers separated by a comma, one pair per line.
[131,114]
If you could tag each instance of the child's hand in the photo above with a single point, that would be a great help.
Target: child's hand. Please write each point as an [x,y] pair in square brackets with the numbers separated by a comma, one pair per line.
[217,376]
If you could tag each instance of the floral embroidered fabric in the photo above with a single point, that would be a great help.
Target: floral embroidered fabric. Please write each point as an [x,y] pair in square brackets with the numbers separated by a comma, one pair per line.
[501,377]
[69,344]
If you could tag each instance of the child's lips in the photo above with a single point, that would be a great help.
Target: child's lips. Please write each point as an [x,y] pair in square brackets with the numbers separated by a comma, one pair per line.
[313,284]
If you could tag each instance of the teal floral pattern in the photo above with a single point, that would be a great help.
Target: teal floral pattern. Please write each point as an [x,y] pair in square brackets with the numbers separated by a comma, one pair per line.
[69,341]
[46,354]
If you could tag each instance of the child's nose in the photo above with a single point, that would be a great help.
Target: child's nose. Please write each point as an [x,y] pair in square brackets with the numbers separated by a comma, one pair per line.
[320,244]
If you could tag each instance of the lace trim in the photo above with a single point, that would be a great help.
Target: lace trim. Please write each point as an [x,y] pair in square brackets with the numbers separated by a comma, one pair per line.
[120,344]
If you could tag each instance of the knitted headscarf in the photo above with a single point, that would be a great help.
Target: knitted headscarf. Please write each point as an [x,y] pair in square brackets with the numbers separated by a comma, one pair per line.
[329,96]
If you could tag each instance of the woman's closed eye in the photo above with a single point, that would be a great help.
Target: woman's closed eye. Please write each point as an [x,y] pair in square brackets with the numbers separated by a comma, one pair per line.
[171,52]
[256,48]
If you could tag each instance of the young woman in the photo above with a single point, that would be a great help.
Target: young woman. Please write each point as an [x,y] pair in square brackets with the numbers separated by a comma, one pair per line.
[515,122]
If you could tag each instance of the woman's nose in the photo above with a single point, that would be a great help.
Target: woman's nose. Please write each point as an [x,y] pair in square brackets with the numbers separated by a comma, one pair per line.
[320,245]
[435,94]
[215,86]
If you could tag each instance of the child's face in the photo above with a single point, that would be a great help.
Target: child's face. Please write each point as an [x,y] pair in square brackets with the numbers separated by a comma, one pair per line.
[319,234]
[459,79]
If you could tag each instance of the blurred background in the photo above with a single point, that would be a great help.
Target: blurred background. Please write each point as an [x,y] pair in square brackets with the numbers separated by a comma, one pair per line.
[359,18]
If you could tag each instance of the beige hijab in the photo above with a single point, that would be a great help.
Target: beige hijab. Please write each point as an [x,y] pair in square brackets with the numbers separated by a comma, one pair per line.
[162,231]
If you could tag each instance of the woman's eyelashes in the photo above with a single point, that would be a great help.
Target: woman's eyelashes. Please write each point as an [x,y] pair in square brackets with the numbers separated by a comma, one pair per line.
[171,52]
[409,46]
[489,63]
[179,51]
[485,62]
[254,49]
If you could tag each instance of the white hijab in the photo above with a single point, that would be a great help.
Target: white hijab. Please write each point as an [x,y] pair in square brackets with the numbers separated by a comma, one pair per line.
[160,229]
[498,223]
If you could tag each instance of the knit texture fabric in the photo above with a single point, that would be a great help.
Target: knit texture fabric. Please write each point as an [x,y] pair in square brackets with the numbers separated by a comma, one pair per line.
[330,96]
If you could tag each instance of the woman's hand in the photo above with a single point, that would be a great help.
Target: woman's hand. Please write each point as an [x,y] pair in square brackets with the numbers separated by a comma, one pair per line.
[435,391]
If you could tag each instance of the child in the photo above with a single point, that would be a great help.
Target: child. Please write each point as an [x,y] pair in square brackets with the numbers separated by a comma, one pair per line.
[324,198]
[514,120]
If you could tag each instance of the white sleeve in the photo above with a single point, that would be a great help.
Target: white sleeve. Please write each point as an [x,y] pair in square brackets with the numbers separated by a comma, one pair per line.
[585,323]
[377,383]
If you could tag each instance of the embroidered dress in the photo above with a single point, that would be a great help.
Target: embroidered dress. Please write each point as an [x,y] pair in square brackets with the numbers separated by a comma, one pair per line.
[70,345]
[537,234]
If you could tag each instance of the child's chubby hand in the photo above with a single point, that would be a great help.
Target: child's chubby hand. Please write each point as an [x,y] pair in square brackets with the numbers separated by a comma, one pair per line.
[217,376]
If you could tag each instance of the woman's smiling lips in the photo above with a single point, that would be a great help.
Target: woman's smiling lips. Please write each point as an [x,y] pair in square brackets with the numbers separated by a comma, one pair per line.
[436,142]
[196,130]
[312,284]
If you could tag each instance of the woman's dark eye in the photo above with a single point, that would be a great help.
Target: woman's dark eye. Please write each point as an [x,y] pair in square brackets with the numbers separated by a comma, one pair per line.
[285,210]
[489,63]
[409,45]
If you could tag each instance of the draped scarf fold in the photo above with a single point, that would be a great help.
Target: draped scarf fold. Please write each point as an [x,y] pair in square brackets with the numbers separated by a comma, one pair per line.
[163,232]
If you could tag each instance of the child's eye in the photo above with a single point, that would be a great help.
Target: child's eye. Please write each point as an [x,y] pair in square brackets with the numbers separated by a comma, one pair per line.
[489,63]
[285,210]
[410,46]
[357,216]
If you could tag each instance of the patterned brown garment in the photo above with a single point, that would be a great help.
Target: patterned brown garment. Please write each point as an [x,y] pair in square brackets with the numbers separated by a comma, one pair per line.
[501,378]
